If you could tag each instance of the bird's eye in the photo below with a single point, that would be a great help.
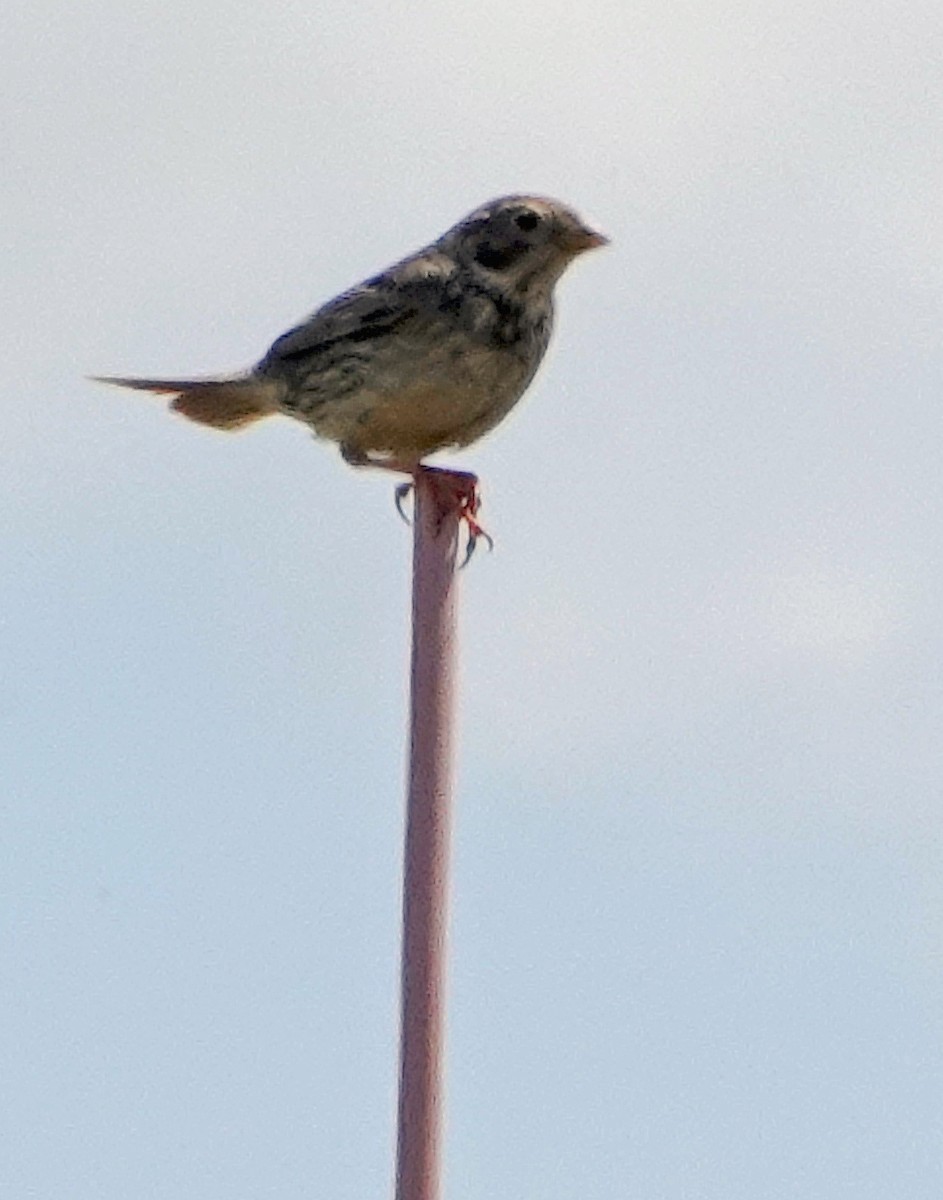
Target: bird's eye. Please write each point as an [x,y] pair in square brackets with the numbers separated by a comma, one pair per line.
[526,221]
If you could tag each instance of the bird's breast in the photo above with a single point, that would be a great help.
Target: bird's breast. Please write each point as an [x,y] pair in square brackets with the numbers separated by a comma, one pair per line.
[413,393]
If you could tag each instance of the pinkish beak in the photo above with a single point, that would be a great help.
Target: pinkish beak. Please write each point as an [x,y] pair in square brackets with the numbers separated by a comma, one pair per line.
[575,241]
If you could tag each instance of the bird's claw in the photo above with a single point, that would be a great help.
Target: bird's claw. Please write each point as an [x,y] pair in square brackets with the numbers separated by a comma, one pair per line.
[475,533]
[402,491]
[463,498]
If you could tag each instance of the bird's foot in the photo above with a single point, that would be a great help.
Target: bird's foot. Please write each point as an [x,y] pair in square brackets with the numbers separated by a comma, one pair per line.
[455,492]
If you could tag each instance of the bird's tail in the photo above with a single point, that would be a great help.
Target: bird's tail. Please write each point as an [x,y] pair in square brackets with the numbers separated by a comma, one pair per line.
[222,403]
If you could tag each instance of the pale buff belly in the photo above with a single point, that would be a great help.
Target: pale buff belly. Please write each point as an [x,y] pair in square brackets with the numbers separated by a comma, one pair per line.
[437,410]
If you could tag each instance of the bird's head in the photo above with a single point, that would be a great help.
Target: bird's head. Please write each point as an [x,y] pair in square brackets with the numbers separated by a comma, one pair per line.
[523,241]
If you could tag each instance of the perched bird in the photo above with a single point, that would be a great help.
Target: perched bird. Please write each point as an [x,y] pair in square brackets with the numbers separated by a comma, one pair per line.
[431,353]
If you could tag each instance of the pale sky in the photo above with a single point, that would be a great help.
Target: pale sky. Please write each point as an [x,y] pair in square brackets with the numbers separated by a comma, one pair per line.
[697,945]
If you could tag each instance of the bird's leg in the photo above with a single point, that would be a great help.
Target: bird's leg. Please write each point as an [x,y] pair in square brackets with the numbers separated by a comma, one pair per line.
[359,458]
[456,490]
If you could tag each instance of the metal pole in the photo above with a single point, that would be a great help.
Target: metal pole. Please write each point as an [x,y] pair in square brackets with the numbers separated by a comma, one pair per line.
[428,828]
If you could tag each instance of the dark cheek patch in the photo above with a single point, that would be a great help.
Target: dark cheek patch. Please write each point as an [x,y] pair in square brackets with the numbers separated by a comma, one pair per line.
[497,257]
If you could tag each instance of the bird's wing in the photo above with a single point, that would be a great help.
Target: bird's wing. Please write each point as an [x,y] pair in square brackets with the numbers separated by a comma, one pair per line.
[372,310]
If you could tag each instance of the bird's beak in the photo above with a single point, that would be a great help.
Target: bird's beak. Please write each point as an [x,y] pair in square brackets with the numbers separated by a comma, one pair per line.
[576,240]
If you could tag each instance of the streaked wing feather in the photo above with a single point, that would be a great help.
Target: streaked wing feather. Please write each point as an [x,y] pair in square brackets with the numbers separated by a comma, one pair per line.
[356,316]
[382,305]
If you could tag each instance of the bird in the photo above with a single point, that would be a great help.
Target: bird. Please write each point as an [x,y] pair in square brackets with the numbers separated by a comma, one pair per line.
[430,354]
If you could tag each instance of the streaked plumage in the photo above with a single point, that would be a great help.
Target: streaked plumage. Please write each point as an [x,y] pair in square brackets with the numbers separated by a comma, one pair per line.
[429,354]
